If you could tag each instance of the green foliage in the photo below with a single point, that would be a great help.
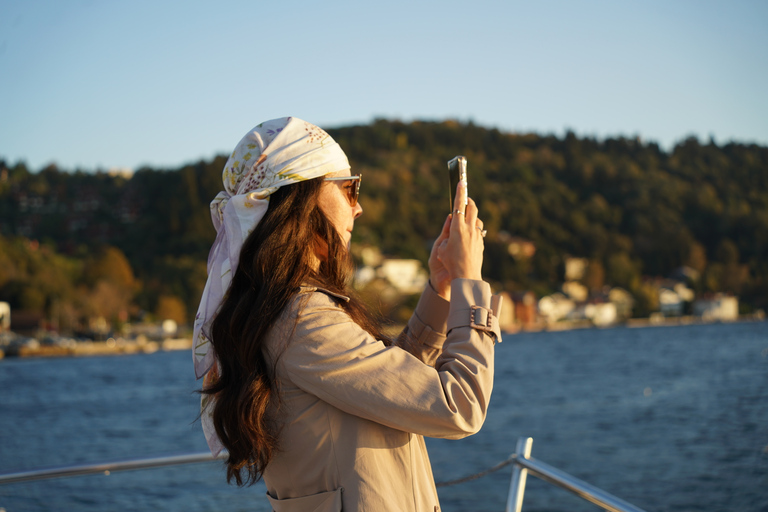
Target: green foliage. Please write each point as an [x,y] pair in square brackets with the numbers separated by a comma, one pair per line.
[630,208]
[33,277]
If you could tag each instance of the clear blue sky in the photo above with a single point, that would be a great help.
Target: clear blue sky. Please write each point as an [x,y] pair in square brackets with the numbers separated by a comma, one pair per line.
[106,84]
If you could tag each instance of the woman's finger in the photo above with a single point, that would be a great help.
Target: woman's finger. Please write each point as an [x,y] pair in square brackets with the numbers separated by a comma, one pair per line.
[480,225]
[446,228]
[459,202]
[444,233]
[471,213]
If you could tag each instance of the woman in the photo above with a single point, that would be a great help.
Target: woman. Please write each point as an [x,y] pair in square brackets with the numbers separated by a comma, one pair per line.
[300,387]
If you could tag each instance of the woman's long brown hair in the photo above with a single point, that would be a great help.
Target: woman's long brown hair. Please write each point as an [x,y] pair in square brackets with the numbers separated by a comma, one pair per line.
[276,259]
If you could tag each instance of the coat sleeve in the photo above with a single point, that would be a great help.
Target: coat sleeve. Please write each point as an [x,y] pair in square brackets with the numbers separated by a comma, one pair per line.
[331,357]
[424,334]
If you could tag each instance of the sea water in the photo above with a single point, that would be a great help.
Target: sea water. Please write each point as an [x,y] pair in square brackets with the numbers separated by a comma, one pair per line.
[667,418]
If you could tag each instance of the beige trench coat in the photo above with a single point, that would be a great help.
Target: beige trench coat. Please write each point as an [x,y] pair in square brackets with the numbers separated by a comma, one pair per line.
[354,412]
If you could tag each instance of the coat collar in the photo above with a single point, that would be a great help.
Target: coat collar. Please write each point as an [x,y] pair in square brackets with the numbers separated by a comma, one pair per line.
[309,288]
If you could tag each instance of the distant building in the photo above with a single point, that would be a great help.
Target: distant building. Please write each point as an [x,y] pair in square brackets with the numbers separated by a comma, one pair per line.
[507,316]
[685,293]
[575,291]
[26,323]
[670,303]
[555,307]
[717,307]
[5,316]
[623,301]
[673,297]
[525,308]
[601,314]
[575,268]
[407,276]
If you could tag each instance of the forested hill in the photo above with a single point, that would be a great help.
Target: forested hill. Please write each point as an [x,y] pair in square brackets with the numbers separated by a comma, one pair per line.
[632,209]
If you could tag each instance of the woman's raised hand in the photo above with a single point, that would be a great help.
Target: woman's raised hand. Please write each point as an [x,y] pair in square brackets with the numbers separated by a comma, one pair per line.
[438,274]
[458,252]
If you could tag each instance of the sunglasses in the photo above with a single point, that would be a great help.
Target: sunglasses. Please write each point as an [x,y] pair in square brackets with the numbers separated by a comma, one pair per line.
[353,189]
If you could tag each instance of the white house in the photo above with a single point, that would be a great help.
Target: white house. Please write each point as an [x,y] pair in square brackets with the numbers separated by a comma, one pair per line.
[575,268]
[602,313]
[718,307]
[575,291]
[623,301]
[407,276]
[670,303]
[5,316]
[555,307]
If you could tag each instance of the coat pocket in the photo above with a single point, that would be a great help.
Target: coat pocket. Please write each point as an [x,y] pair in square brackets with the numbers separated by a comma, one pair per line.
[323,502]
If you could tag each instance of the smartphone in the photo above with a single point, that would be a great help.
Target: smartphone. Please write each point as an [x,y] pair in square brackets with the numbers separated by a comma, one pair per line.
[457,171]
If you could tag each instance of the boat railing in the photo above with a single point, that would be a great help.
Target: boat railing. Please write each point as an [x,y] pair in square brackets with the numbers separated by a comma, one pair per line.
[106,468]
[523,465]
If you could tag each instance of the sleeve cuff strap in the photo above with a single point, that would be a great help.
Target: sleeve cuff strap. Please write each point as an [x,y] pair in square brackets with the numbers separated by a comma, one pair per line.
[479,317]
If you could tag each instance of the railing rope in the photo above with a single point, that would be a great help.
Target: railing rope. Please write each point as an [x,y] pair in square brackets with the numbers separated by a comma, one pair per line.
[481,474]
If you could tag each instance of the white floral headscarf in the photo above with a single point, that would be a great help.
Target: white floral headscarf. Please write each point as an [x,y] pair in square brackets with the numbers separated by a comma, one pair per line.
[275,153]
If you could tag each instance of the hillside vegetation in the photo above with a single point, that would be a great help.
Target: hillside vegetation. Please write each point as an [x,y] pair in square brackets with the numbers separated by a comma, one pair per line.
[72,238]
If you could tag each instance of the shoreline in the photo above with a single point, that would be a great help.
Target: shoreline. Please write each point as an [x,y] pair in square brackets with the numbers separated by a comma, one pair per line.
[98,348]
[634,323]
[124,347]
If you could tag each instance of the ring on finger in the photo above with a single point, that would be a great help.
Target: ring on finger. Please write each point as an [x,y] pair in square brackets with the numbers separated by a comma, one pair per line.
[483,232]
[458,212]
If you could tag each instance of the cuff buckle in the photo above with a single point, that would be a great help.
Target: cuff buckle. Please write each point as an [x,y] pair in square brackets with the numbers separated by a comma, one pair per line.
[481,318]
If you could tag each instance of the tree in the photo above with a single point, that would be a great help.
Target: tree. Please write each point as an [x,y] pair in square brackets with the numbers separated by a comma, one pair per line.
[170,307]
[109,264]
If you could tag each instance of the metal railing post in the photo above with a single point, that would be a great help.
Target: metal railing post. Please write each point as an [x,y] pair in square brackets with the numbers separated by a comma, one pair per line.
[519,476]
[558,478]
